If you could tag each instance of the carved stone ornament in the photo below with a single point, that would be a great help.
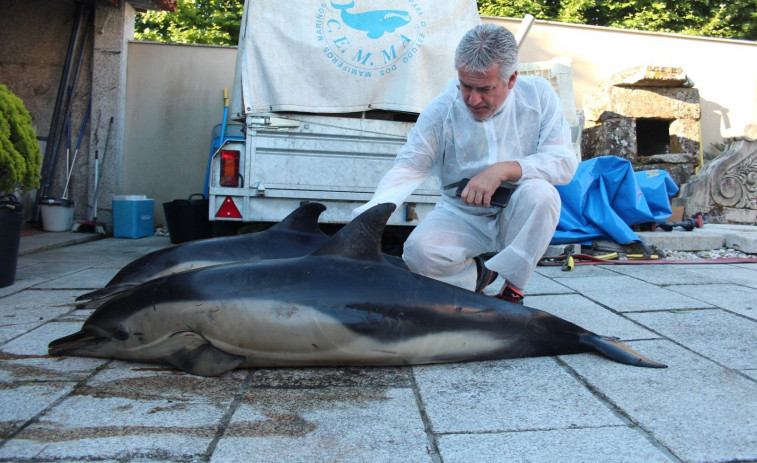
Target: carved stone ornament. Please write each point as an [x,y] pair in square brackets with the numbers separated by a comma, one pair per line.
[726,187]
[736,176]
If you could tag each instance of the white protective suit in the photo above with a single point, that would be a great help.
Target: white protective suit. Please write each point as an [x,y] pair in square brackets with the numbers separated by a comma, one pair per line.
[449,142]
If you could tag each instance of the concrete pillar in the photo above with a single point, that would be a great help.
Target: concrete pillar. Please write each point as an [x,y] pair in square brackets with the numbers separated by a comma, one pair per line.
[114,27]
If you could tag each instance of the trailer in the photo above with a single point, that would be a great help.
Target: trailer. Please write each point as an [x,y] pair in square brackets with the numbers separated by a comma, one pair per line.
[326,102]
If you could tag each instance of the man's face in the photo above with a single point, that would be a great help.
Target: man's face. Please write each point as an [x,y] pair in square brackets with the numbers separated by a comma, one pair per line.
[484,92]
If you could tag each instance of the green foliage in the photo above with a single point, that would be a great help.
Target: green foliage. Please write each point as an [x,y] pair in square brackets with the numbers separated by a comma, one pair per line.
[205,22]
[736,20]
[217,21]
[20,158]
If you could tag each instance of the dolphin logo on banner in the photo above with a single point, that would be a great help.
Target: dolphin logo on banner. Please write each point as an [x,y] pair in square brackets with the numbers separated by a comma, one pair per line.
[376,22]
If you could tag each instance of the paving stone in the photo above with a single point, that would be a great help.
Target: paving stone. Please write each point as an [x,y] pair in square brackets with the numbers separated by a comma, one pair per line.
[25,358]
[346,424]
[24,311]
[24,401]
[741,275]
[738,299]
[608,445]
[95,253]
[126,412]
[700,411]
[748,266]
[129,411]
[663,275]
[626,294]
[331,377]
[745,242]
[36,273]
[89,279]
[721,336]
[540,284]
[46,241]
[699,239]
[579,271]
[508,395]
[585,313]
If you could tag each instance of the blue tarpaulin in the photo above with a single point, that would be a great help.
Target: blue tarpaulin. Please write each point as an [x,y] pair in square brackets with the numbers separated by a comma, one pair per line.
[605,198]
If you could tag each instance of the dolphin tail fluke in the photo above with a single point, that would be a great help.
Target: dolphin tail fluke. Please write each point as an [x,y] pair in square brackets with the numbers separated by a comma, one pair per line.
[344,6]
[618,351]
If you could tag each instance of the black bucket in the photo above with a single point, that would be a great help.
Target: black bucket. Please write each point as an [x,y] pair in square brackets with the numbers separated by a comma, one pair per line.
[11,220]
[187,219]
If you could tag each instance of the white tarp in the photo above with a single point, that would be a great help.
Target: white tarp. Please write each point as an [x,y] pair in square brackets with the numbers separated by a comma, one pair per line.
[349,55]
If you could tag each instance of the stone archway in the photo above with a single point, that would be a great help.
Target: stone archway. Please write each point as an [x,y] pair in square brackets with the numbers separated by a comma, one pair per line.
[648,115]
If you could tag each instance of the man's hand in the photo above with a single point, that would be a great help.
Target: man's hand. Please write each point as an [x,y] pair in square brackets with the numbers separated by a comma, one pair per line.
[480,188]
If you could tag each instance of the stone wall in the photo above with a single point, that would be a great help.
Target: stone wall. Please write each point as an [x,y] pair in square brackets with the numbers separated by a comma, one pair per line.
[648,115]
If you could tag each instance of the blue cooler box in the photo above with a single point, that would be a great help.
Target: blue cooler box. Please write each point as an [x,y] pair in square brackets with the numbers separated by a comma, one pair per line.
[132,216]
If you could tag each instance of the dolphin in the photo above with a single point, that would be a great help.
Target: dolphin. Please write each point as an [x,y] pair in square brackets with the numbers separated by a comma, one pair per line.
[376,22]
[342,305]
[297,235]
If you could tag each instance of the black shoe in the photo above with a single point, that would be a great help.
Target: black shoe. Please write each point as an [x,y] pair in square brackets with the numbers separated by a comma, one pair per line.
[510,294]
[485,276]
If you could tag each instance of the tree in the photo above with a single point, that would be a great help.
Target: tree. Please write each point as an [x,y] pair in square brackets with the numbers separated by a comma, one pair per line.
[20,158]
[737,20]
[217,21]
[195,21]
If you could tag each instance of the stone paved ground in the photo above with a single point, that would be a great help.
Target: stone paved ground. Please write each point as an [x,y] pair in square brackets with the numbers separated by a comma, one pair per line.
[699,319]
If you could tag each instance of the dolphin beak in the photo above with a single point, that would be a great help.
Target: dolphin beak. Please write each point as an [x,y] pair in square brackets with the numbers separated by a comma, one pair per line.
[76,344]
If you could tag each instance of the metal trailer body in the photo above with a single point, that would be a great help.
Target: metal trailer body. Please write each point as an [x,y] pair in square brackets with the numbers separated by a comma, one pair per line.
[337,159]
[290,158]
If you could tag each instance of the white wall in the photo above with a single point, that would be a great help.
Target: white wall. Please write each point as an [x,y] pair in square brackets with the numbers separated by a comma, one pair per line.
[724,71]
[174,97]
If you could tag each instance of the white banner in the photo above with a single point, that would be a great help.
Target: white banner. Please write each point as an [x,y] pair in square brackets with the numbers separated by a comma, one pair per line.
[349,55]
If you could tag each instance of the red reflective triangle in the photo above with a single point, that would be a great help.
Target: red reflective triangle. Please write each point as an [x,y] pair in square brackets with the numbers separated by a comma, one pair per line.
[228,209]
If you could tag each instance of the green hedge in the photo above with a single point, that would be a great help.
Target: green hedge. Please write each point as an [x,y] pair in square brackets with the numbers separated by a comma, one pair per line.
[20,157]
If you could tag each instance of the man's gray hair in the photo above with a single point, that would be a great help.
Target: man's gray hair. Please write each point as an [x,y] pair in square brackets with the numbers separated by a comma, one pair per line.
[485,46]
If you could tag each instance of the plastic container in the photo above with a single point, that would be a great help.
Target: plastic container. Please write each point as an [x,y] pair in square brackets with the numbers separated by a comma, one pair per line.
[133,216]
[187,219]
[57,214]
[11,221]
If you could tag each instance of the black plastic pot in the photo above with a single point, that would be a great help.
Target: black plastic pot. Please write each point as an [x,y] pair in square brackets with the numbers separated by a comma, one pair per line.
[11,220]
[187,219]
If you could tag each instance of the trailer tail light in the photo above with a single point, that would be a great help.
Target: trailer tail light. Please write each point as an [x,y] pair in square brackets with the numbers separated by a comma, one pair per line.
[230,168]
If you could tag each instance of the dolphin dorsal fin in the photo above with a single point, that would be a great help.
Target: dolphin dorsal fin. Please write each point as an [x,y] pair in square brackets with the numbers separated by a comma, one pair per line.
[361,238]
[304,219]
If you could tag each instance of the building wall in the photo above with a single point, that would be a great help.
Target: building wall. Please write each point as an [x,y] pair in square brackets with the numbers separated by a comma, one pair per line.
[34,38]
[31,65]
[724,71]
[174,98]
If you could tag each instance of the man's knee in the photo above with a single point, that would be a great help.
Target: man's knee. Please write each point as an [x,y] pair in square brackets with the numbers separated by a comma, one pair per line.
[539,196]
[423,255]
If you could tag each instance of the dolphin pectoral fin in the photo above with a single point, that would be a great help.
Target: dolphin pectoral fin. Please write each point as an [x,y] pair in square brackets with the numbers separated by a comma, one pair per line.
[101,293]
[205,360]
[618,351]
[198,357]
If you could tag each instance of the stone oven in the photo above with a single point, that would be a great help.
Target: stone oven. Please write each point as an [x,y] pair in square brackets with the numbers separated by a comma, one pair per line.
[648,115]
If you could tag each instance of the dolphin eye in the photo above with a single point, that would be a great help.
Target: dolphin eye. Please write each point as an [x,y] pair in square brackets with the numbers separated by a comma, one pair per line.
[121,334]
